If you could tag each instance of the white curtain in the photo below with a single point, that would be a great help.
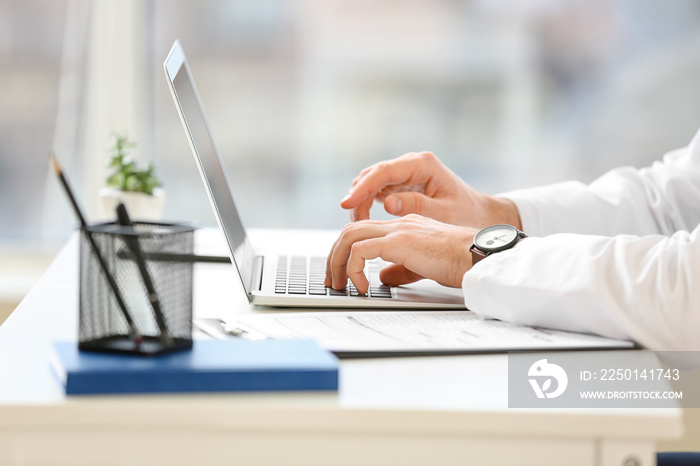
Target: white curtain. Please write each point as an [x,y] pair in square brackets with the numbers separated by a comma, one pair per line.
[103,88]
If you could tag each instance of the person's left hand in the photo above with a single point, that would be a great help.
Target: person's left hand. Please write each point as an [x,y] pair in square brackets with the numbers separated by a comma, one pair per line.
[419,247]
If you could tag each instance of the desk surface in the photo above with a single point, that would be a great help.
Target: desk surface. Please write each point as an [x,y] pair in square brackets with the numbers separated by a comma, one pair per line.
[407,410]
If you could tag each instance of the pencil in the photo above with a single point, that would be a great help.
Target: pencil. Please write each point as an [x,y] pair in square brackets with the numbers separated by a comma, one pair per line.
[176,257]
[133,244]
[133,331]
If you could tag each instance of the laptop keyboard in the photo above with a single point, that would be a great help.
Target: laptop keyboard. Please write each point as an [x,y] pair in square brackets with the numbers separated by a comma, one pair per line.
[305,276]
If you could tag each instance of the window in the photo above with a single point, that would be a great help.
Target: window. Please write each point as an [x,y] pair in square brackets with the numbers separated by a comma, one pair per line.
[303,94]
[31,36]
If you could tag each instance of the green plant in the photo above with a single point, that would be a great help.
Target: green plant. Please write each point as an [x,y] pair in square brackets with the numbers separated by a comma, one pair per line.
[125,175]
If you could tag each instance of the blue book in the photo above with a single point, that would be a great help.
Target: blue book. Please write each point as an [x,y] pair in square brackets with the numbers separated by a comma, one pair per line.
[210,366]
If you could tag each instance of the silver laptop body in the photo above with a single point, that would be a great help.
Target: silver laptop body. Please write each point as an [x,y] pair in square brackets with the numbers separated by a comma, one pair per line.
[261,275]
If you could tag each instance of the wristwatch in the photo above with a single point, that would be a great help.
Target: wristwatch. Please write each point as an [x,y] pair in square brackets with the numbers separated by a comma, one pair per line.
[492,239]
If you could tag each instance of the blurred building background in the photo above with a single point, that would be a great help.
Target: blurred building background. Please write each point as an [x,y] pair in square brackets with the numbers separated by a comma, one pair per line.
[302,94]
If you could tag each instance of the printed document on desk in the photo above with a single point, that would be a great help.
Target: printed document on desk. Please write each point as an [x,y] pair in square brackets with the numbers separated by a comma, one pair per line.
[384,333]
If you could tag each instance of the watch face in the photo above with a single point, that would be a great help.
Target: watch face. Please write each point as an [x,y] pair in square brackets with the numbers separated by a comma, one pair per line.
[496,238]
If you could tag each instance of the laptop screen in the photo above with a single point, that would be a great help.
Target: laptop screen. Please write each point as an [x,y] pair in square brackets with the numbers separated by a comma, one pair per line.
[209,161]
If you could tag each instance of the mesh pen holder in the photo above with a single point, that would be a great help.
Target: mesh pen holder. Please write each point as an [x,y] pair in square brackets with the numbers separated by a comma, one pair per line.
[104,326]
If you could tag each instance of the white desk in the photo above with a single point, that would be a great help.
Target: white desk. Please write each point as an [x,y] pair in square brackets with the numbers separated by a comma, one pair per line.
[407,411]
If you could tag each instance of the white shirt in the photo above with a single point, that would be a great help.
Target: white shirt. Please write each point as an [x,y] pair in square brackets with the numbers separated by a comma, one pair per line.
[619,257]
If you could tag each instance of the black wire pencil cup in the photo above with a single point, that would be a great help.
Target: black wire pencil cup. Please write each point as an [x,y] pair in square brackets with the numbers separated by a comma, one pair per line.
[160,313]
[135,283]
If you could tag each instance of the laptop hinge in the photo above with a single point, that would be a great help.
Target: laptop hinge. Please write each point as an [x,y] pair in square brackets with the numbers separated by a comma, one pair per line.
[257,276]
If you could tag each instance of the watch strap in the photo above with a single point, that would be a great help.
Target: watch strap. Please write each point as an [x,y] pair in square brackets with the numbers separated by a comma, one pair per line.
[477,254]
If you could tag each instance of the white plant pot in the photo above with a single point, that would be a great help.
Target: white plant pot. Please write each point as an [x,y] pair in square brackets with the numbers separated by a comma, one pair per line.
[140,206]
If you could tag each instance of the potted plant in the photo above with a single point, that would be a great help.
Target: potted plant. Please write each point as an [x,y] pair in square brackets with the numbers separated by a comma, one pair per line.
[138,188]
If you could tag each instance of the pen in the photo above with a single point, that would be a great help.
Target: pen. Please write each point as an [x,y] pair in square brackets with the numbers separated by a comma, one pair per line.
[133,331]
[133,244]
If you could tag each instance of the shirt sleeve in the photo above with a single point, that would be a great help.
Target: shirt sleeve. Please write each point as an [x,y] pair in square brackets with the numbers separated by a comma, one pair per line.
[619,257]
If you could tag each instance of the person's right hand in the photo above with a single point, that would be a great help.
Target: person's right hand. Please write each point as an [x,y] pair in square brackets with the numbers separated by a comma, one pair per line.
[418,183]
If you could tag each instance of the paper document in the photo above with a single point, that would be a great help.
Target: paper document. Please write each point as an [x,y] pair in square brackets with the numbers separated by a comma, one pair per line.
[365,333]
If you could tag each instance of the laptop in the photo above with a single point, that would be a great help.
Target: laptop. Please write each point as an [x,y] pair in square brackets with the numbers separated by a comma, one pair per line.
[278,279]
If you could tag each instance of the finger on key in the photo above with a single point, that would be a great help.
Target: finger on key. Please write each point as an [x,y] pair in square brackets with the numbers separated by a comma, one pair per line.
[360,252]
[352,233]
